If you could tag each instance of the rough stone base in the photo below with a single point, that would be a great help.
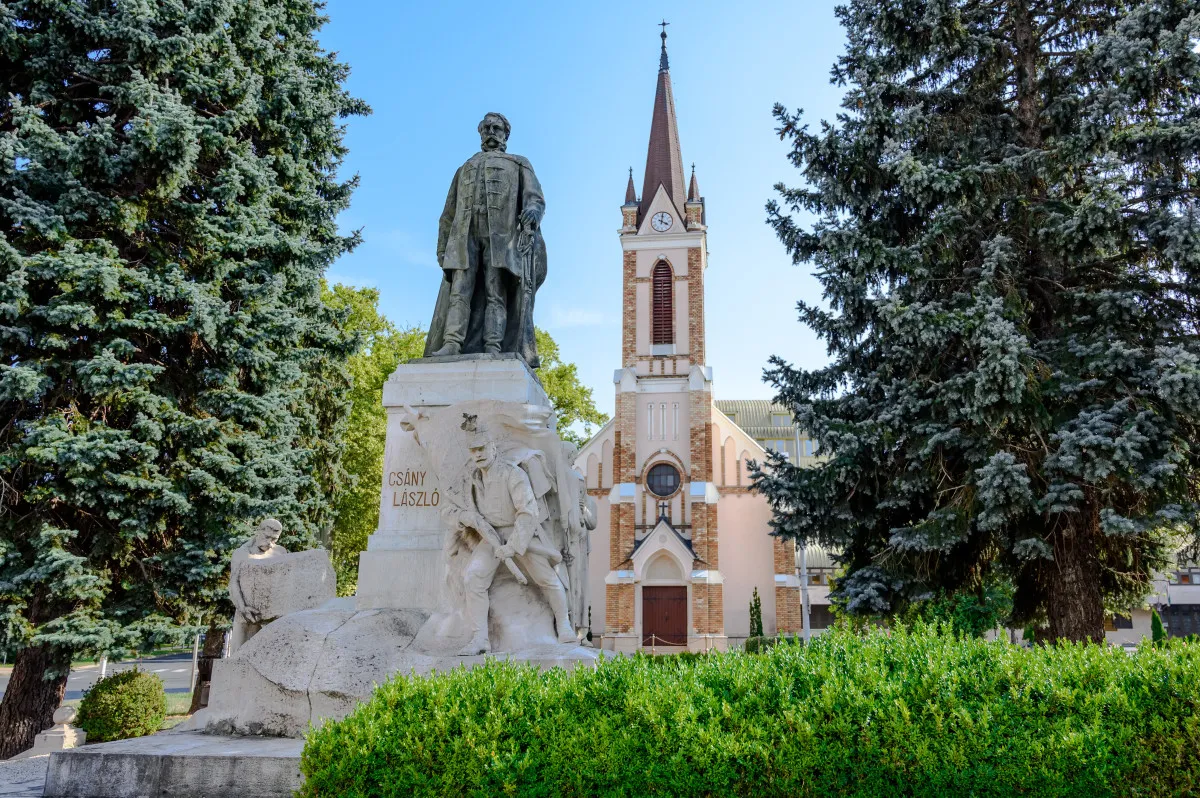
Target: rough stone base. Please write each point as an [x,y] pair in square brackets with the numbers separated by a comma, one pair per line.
[311,666]
[179,765]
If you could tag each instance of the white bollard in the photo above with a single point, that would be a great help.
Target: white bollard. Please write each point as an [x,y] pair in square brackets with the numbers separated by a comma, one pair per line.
[195,665]
[59,737]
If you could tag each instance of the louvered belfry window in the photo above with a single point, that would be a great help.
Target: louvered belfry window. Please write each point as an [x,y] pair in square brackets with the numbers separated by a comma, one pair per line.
[663,305]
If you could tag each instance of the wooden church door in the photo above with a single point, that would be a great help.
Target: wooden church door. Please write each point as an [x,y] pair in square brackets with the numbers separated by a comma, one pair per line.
[664,615]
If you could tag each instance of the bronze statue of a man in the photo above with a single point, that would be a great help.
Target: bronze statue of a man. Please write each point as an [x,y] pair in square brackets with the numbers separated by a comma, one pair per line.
[491,252]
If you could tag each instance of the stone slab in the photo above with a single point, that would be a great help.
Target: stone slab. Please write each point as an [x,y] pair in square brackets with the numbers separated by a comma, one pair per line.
[400,579]
[437,382]
[288,583]
[179,765]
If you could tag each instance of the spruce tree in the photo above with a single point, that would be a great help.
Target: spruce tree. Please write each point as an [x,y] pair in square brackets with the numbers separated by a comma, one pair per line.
[168,371]
[1005,228]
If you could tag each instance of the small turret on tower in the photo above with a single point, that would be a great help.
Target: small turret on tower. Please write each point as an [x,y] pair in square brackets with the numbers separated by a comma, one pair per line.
[694,207]
[629,211]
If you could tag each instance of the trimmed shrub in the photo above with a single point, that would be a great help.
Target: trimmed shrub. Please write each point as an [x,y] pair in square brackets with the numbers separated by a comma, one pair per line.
[756,626]
[127,704]
[903,712]
[1157,633]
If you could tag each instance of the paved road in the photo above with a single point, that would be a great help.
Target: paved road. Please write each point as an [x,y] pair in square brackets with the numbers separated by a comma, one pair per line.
[173,669]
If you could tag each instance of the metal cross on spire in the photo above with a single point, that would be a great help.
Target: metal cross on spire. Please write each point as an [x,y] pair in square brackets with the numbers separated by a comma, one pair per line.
[662,59]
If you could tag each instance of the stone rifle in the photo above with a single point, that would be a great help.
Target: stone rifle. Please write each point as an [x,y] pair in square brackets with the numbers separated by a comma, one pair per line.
[488,533]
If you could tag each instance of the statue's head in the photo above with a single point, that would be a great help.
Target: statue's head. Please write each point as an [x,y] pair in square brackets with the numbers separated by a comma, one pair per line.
[480,445]
[493,132]
[483,453]
[267,534]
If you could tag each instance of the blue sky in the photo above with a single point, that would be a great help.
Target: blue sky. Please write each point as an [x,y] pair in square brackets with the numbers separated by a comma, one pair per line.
[577,80]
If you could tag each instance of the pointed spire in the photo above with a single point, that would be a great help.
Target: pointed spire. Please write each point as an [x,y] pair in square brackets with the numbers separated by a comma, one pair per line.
[630,192]
[693,187]
[664,164]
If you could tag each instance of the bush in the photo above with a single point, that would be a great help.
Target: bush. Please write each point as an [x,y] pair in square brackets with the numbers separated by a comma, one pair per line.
[882,714]
[759,644]
[127,704]
[683,657]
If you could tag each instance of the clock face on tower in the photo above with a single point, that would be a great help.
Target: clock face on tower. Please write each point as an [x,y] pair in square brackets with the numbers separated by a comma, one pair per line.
[661,221]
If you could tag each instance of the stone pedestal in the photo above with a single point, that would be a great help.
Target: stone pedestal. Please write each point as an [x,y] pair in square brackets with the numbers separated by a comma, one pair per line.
[402,567]
[179,765]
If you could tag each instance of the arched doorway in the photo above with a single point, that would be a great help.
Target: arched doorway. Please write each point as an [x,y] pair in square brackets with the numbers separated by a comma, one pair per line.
[664,605]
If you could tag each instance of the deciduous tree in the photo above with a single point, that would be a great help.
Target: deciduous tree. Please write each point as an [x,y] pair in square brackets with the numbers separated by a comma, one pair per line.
[382,348]
[572,400]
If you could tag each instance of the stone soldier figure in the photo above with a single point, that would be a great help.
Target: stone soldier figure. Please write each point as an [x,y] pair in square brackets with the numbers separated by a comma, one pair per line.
[580,521]
[502,508]
[247,619]
[491,252]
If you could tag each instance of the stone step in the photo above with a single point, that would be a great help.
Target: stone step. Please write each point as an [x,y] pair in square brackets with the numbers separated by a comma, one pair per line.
[178,765]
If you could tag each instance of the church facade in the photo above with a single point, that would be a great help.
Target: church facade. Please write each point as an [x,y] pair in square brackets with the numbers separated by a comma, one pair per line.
[681,543]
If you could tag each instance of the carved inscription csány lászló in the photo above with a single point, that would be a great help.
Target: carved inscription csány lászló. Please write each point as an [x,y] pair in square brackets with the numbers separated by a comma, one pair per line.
[411,498]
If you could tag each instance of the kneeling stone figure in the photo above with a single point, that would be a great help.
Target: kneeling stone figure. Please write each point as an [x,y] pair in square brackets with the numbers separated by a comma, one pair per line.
[248,617]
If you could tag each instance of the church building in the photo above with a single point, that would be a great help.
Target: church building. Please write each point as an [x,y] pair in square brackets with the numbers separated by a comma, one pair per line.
[681,542]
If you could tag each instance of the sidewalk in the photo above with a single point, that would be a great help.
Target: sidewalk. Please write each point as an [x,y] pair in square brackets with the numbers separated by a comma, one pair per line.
[23,778]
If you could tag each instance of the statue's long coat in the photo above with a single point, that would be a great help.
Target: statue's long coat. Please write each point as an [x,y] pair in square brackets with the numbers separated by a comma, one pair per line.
[511,187]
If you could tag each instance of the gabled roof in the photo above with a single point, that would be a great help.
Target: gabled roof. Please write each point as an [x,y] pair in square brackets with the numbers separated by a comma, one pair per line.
[754,417]
[664,164]
[662,522]
[666,539]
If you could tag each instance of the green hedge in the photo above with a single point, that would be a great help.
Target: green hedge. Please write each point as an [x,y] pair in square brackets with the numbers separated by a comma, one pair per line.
[126,704]
[905,713]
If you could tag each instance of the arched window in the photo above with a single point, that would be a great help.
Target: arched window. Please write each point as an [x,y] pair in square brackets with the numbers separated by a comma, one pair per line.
[663,331]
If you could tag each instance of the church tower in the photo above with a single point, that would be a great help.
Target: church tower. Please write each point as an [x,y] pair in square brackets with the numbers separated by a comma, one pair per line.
[682,547]
[663,499]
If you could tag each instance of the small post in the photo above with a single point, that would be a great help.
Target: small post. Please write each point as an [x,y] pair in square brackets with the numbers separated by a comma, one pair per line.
[804,593]
[195,664]
[103,665]
[803,569]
